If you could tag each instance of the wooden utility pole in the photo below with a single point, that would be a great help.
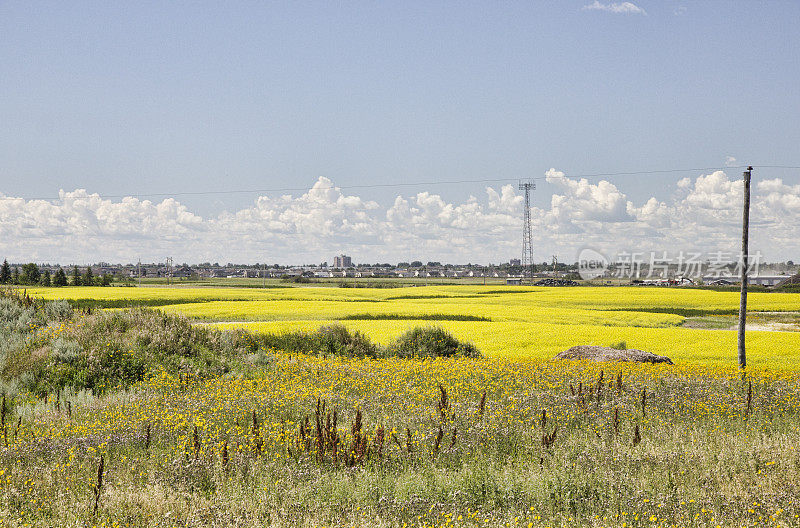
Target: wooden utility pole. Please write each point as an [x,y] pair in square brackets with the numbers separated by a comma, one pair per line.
[745,264]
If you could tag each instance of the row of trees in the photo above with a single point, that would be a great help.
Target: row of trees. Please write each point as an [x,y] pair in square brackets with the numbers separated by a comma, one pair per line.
[31,275]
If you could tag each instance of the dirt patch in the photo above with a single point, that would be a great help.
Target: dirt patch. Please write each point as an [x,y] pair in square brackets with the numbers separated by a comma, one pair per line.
[760,321]
[770,327]
[600,353]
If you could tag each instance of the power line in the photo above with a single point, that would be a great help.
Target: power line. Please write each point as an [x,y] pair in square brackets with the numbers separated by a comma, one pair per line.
[428,183]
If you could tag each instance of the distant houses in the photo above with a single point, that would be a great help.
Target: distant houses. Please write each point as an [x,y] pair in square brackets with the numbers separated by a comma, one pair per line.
[769,276]
[757,280]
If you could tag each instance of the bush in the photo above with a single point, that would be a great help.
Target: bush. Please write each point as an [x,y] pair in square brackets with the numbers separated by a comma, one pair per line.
[10,342]
[429,342]
[58,311]
[339,341]
[15,317]
[65,351]
[331,340]
[621,345]
[117,349]
[108,349]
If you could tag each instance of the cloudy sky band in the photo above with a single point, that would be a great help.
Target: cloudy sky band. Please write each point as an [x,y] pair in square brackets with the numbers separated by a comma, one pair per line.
[702,213]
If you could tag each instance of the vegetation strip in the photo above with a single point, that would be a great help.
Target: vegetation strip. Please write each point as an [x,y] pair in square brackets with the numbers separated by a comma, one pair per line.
[414,317]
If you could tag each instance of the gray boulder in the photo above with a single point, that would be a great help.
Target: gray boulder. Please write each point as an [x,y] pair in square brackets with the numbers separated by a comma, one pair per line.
[600,353]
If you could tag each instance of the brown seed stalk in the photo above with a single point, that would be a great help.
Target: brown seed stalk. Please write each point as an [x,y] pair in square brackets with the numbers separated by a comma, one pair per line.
[196,443]
[637,437]
[98,487]
[749,399]
[438,440]
[380,436]
[549,439]
[3,420]
[443,404]
[644,400]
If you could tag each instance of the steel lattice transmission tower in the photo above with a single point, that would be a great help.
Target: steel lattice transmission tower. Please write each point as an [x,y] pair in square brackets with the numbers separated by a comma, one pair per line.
[527,239]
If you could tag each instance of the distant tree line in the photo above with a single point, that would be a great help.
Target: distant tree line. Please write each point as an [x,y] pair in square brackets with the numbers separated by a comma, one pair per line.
[31,275]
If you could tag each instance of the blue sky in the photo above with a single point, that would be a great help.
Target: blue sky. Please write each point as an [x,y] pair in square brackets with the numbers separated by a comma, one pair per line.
[129,99]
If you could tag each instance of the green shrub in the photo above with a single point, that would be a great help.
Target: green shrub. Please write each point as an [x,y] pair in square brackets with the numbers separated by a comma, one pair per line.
[17,323]
[10,342]
[59,310]
[331,340]
[413,317]
[429,342]
[339,341]
[15,317]
[117,349]
[620,345]
[65,351]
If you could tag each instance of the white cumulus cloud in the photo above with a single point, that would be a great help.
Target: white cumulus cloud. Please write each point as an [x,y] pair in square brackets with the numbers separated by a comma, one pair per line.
[703,213]
[614,7]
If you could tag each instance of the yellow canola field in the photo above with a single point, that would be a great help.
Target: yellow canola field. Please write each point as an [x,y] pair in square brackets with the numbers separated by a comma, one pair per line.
[523,322]
[544,340]
[280,310]
[511,297]
[199,294]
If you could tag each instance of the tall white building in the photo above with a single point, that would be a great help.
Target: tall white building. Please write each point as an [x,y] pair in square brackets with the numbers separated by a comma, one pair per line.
[342,261]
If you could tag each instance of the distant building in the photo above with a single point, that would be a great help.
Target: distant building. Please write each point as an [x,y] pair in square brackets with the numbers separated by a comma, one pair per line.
[182,272]
[342,261]
[766,280]
[760,280]
[514,262]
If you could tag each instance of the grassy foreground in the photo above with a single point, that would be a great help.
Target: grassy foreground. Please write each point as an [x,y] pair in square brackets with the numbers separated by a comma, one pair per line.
[396,442]
[141,418]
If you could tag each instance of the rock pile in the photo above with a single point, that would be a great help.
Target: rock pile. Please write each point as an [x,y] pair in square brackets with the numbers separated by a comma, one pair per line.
[600,353]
